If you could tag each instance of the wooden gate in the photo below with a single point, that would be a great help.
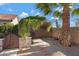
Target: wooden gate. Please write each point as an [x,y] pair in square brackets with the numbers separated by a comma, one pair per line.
[11,41]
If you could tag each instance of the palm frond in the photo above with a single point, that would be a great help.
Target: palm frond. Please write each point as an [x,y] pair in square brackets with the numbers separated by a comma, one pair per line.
[44,7]
[54,4]
[75,12]
[57,14]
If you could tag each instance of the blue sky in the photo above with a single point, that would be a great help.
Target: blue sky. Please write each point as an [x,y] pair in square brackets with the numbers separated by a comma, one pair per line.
[29,9]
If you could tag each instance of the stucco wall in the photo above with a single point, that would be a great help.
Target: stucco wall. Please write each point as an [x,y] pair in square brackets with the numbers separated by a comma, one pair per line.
[56,34]
[75,35]
[41,33]
[15,21]
[74,31]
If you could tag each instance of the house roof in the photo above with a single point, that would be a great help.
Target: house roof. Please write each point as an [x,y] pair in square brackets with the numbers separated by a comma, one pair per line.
[7,17]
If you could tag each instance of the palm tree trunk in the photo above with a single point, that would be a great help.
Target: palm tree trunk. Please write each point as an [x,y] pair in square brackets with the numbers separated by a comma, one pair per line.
[65,38]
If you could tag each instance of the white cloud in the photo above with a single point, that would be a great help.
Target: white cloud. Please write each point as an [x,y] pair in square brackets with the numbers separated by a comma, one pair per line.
[60,9]
[52,18]
[23,15]
[33,11]
[71,7]
[56,18]
[38,13]
[2,4]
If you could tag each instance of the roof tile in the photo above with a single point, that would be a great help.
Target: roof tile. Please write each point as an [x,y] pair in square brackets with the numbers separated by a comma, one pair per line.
[7,17]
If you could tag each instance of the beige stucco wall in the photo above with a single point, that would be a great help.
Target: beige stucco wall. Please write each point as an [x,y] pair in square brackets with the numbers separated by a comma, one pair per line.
[56,34]
[15,21]
[74,34]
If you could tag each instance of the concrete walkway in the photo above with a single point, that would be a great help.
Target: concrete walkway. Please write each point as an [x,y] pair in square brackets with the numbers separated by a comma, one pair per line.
[50,47]
[9,52]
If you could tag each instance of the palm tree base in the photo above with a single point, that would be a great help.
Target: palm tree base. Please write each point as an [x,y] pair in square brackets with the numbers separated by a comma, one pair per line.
[65,39]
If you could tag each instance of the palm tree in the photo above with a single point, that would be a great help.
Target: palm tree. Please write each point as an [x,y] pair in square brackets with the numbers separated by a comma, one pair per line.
[66,27]
[65,37]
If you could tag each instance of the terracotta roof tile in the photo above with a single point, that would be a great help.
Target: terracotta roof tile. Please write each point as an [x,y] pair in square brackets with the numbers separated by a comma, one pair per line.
[7,17]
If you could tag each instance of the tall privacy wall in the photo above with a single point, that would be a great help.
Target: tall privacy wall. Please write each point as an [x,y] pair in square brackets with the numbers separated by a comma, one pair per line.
[75,35]
[56,33]
[74,31]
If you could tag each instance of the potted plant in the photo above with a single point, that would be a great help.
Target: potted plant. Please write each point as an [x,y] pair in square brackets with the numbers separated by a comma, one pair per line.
[25,27]
[24,33]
